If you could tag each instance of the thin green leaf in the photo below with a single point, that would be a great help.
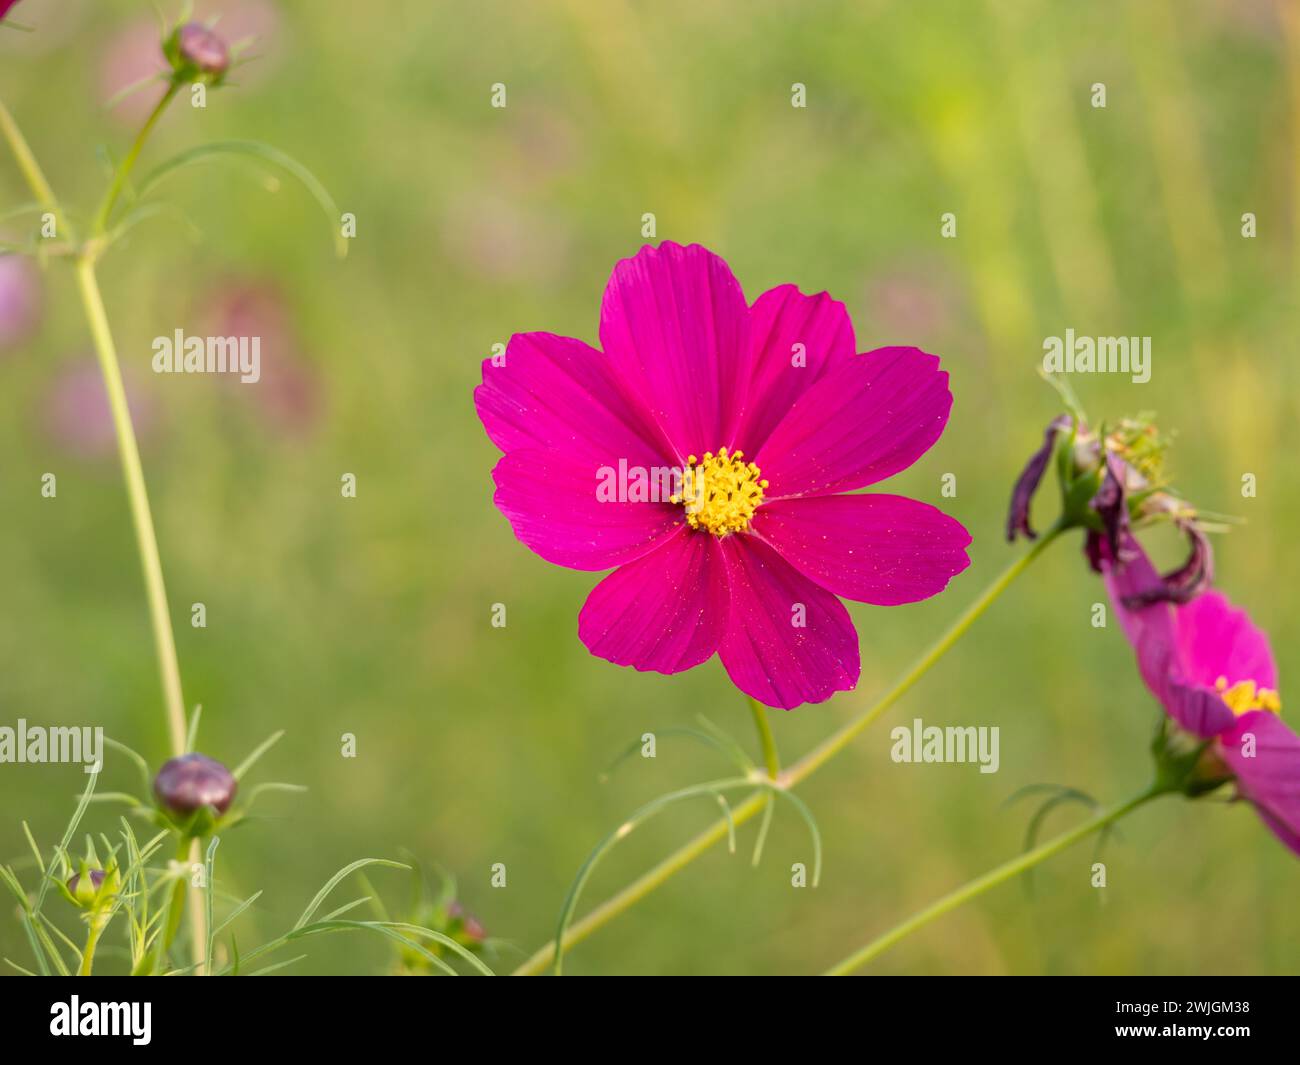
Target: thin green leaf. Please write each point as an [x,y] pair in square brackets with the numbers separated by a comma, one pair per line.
[760,840]
[639,816]
[145,776]
[706,738]
[192,733]
[209,862]
[67,837]
[230,917]
[36,851]
[334,881]
[276,965]
[258,751]
[264,153]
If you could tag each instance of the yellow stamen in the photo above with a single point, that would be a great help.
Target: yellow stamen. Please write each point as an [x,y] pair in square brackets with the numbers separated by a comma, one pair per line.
[720,492]
[1244,696]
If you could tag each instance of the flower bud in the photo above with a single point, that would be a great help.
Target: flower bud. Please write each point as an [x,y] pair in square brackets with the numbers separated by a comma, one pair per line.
[84,890]
[93,888]
[197,54]
[191,782]
[464,927]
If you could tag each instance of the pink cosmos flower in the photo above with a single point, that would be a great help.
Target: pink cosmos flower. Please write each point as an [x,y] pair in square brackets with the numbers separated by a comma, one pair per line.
[746,557]
[1213,672]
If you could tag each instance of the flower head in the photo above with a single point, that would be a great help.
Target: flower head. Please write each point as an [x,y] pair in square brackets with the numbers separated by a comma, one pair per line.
[1213,672]
[192,782]
[1110,482]
[704,456]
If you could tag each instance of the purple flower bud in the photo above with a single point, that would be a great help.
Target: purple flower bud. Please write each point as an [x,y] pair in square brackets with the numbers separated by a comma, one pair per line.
[1030,478]
[193,781]
[96,879]
[202,49]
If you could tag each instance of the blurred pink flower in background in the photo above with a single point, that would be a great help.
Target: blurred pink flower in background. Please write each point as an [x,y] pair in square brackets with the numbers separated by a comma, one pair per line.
[497,239]
[288,395]
[912,300]
[76,414]
[136,52]
[20,300]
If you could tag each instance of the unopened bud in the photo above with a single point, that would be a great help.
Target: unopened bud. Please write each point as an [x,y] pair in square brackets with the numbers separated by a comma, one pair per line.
[193,781]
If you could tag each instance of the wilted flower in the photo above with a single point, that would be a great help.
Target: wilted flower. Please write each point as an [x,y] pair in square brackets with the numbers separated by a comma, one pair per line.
[192,782]
[1110,482]
[745,557]
[1214,674]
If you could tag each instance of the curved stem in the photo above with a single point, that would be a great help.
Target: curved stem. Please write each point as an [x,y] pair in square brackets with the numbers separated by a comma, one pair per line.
[988,881]
[801,770]
[770,757]
[128,162]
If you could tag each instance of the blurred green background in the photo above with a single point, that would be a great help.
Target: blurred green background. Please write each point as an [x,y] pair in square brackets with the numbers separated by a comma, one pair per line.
[479,745]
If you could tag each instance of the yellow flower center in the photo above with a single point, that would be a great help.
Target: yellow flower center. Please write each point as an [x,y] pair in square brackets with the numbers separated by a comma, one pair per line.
[720,492]
[1244,696]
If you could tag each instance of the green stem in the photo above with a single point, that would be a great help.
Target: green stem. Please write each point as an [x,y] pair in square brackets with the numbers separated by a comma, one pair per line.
[97,926]
[801,770]
[832,746]
[31,169]
[988,881]
[138,496]
[128,163]
[150,560]
[770,758]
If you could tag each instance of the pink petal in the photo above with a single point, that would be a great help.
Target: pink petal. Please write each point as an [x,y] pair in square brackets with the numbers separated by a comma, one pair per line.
[551,502]
[1216,639]
[863,421]
[880,549]
[675,325]
[1198,709]
[788,640]
[1270,779]
[559,393]
[1155,634]
[795,340]
[666,611]
[1135,576]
